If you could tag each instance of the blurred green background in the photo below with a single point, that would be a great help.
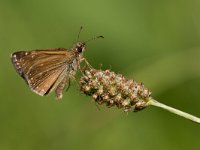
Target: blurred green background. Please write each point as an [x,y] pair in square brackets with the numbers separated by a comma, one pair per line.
[156,42]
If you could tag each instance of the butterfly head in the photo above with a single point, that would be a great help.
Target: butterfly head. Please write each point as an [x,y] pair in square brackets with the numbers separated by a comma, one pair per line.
[79,47]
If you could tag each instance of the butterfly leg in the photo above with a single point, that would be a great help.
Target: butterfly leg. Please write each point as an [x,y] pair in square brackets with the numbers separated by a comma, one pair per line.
[74,79]
[86,66]
[68,85]
[87,63]
[59,90]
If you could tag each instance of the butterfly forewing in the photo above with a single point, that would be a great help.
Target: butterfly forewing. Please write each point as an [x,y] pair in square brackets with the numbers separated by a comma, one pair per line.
[43,69]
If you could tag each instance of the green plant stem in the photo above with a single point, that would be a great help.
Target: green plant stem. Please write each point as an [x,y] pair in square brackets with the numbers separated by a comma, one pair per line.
[173,110]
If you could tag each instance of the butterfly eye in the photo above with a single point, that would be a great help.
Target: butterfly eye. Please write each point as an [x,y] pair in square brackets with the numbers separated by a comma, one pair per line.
[79,49]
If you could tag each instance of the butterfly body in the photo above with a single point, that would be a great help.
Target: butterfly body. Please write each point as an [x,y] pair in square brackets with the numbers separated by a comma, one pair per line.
[47,70]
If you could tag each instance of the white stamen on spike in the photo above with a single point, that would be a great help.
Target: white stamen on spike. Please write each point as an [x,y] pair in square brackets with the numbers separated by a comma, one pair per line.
[14,57]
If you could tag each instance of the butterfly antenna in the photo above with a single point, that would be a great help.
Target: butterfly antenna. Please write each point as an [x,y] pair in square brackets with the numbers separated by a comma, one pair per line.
[94,38]
[79,32]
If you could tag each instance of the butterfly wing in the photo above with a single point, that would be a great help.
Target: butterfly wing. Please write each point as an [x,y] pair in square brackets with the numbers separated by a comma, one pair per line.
[42,69]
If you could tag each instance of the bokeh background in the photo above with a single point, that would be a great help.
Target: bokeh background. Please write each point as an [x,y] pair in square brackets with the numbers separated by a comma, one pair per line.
[156,42]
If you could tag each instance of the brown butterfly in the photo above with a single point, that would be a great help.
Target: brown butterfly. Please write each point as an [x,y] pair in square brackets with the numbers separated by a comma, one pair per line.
[47,70]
